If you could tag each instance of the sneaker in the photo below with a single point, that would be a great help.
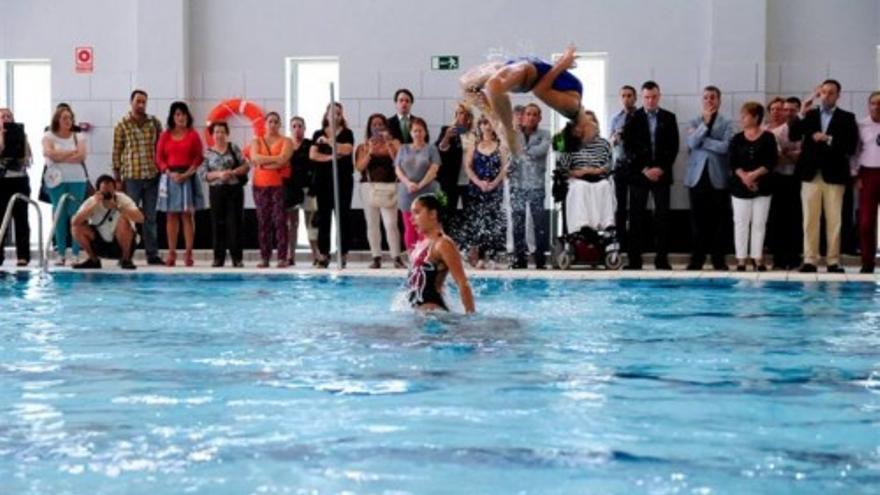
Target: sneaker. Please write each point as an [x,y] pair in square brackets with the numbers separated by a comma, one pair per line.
[807,268]
[377,263]
[88,264]
[127,265]
[835,268]
[154,260]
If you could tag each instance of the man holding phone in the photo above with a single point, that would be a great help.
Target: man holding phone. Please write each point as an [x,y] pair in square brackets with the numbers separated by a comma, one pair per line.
[99,227]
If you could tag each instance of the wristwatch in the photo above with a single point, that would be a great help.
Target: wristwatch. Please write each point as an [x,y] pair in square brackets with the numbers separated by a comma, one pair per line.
[829,139]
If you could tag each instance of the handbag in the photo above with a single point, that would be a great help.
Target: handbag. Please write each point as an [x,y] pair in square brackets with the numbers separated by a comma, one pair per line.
[379,194]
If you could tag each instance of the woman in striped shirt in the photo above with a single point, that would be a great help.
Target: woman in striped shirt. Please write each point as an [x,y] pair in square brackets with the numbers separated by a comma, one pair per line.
[587,158]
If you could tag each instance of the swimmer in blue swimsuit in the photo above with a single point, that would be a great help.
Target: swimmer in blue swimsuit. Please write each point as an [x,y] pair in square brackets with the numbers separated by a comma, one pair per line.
[488,85]
[433,258]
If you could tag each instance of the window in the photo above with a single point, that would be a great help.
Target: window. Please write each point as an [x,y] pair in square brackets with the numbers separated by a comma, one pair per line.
[308,94]
[26,88]
[590,69]
[308,88]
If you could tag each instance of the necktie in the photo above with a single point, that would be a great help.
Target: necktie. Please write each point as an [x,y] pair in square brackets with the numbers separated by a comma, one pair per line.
[404,128]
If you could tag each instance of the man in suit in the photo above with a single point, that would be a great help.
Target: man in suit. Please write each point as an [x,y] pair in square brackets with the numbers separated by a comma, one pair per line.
[707,178]
[650,141]
[398,124]
[830,136]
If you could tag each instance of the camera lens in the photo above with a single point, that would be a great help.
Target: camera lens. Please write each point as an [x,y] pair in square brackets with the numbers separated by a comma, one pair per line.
[107,195]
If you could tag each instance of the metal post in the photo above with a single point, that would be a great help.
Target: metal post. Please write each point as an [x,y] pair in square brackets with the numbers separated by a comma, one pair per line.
[331,113]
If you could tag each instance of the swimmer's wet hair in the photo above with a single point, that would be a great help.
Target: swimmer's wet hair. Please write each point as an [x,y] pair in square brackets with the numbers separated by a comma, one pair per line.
[436,202]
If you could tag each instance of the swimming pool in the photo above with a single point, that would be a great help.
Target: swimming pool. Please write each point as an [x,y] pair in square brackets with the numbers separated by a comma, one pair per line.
[151,384]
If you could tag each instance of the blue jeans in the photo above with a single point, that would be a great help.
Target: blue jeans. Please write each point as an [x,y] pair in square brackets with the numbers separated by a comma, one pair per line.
[145,193]
[62,228]
[534,199]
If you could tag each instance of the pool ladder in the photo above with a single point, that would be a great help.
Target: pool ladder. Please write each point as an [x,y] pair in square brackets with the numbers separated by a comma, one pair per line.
[8,215]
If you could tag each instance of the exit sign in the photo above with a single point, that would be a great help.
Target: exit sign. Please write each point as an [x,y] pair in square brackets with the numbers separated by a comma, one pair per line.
[445,62]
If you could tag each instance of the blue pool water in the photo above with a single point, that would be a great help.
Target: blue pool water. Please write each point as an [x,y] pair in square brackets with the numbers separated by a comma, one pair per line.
[148,384]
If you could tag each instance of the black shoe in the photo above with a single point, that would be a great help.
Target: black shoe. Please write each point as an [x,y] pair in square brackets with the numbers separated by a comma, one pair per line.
[237,264]
[88,264]
[519,264]
[807,268]
[155,260]
[867,269]
[127,265]
[398,262]
[663,266]
[740,268]
[721,267]
[761,268]
[217,263]
[323,262]
[835,268]
[540,262]
[694,266]
[377,263]
[632,267]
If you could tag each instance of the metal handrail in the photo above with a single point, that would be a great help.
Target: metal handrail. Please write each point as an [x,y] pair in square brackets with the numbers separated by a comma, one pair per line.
[8,215]
[58,210]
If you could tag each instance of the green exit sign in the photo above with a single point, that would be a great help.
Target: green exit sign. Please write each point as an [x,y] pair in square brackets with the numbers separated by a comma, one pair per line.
[445,62]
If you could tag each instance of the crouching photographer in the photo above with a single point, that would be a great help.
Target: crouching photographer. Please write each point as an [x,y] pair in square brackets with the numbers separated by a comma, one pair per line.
[105,226]
[14,161]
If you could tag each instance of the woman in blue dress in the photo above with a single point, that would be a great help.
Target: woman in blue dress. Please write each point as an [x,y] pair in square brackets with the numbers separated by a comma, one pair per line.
[486,167]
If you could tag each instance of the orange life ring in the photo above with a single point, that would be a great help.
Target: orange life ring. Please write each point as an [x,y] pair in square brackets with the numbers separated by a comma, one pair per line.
[236,106]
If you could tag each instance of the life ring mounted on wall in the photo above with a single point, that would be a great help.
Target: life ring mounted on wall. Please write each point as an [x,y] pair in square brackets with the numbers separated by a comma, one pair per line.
[236,106]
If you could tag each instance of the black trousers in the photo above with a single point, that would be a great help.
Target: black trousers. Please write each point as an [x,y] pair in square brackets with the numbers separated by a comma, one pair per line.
[621,193]
[22,228]
[710,221]
[785,232]
[227,209]
[638,205]
[326,206]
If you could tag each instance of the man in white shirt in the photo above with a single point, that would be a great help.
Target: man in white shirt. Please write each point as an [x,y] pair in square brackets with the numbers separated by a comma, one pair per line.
[105,225]
[865,167]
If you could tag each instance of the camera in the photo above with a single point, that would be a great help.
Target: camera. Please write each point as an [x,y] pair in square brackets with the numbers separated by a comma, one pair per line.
[107,196]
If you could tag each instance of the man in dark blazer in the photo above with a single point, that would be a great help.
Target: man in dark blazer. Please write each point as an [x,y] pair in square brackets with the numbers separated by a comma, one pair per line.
[650,140]
[398,124]
[830,136]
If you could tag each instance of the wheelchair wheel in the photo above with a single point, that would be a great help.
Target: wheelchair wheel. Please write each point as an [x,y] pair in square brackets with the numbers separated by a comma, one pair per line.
[613,260]
[560,256]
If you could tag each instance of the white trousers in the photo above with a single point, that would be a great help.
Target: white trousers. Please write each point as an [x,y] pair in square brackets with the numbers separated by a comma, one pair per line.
[750,223]
[374,235]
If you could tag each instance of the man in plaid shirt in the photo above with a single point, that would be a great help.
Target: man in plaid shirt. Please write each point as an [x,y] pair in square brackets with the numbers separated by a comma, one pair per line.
[134,165]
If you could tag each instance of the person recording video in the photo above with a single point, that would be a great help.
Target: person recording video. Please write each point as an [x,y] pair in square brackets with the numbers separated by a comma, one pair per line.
[14,161]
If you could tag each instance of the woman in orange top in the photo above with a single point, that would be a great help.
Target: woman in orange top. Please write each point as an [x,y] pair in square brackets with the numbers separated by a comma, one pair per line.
[270,156]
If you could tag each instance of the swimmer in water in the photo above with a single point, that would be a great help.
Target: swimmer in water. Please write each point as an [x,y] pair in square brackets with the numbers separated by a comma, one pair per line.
[488,86]
[433,258]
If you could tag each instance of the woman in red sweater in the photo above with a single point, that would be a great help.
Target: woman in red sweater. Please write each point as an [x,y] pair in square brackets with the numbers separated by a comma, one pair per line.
[178,155]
